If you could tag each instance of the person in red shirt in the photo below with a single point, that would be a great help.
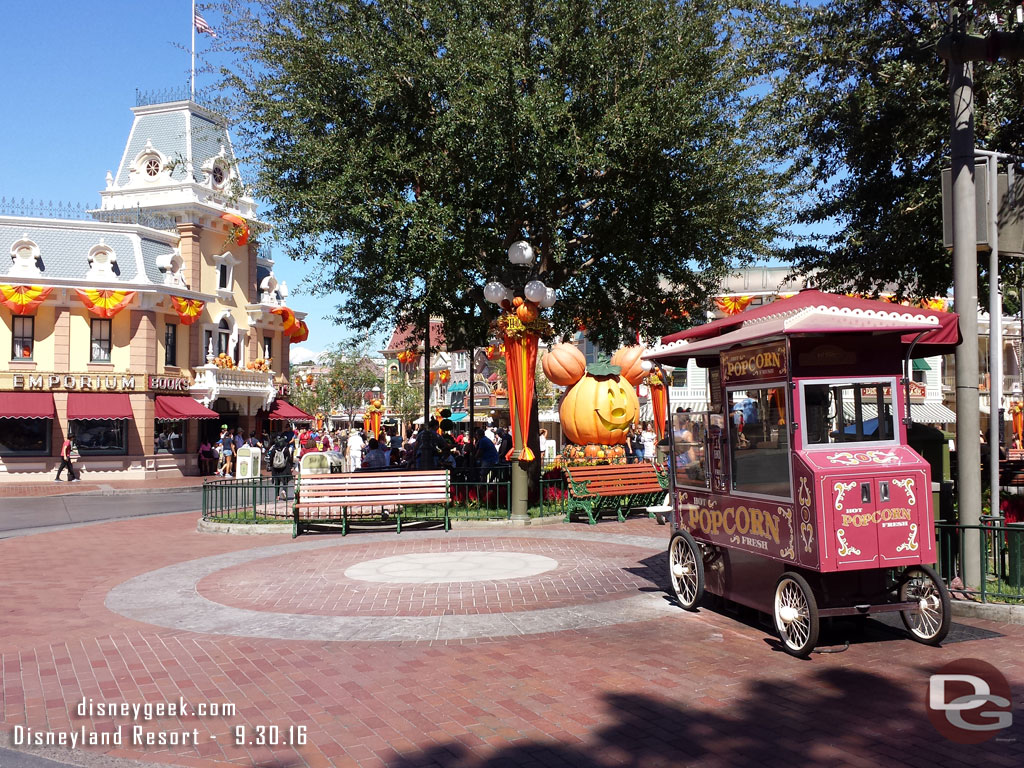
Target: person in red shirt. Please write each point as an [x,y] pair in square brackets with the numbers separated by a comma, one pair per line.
[65,460]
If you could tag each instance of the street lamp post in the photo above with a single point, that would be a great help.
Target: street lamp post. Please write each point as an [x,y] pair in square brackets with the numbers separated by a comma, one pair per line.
[520,326]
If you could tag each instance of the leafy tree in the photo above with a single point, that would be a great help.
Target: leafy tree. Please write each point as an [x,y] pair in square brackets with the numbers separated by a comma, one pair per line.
[405,144]
[870,95]
[405,398]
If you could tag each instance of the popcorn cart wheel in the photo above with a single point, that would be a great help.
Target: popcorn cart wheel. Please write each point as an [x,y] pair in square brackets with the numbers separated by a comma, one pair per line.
[686,569]
[796,614]
[929,622]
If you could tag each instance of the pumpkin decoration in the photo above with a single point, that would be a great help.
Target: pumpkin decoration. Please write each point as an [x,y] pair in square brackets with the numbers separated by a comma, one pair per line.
[628,359]
[599,407]
[564,365]
[527,312]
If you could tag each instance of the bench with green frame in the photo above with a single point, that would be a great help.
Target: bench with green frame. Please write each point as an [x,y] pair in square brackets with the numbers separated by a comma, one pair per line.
[622,487]
[370,497]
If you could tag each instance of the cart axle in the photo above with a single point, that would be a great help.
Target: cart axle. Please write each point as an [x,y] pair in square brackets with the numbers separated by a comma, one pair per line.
[862,610]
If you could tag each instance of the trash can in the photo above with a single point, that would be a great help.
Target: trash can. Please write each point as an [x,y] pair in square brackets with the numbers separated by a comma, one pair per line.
[1015,554]
[250,460]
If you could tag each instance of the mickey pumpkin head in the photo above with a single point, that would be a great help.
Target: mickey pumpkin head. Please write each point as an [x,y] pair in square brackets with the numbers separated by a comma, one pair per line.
[601,402]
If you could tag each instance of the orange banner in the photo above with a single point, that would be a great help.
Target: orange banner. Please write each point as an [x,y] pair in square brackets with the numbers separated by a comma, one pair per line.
[188,309]
[104,303]
[22,299]
[239,230]
[733,305]
[520,366]
[291,325]
[302,334]
[659,408]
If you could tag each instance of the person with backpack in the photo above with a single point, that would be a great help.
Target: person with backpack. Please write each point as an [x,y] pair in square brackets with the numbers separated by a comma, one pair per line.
[280,458]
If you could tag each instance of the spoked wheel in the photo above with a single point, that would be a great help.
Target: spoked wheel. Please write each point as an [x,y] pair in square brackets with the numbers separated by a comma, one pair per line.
[929,622]
[796,615]
[686,569]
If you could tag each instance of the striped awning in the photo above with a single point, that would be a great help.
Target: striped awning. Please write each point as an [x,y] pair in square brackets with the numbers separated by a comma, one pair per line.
[922,413]
[647,414]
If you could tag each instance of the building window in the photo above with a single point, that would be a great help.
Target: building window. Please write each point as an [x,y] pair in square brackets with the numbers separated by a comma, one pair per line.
[151,166]
[171,344]
[224,277]
[95,437]
[218,175]
[25,437]
[169,436]
[268,347]
[223,338]
[208,343]
[100,335]
[24,335]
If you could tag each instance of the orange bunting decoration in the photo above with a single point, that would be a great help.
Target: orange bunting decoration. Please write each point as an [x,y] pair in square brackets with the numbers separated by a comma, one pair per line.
[939,305]
[733,305]
[188,309]
[22,299]
[520,364]
[290,324]
[445,376]
[104,303]
[240,229]
[433,377]
[494,350]
[302,334]
[374,412]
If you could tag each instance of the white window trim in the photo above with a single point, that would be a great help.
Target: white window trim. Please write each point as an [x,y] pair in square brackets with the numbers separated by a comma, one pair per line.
[228,261]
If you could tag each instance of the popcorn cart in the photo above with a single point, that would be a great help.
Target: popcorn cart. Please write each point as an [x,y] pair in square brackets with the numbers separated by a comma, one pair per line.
[796,493]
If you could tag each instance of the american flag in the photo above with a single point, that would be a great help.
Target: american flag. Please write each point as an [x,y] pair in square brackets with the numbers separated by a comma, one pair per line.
[201,25]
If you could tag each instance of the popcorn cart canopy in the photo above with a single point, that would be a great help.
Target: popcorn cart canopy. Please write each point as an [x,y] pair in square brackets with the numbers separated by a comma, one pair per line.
[813,312]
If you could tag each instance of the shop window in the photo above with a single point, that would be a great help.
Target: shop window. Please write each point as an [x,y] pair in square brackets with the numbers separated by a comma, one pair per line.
[169,437]
[23,339]
[759,441]
[171,344]
[98,437]
[689,431]
[100,337]
[25,437]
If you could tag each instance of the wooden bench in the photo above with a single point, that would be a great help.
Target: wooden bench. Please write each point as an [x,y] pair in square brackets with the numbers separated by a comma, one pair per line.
[619,486]
[370,497]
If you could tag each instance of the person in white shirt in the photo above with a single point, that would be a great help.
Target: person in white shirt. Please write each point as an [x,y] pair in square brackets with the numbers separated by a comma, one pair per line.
[354,451]
[648,437]
[543,443]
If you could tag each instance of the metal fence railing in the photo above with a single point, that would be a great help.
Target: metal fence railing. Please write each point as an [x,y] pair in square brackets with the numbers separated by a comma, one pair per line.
[1000,548]
[248,500]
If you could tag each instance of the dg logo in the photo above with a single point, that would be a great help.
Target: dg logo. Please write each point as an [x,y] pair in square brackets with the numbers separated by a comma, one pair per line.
[969,701]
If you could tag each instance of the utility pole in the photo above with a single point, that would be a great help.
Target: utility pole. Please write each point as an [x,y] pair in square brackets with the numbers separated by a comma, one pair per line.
[960,50]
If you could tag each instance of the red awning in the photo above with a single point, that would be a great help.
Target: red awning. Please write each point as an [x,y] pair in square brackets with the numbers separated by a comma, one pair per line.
[282,410]
[26,405]
[181,407]
[99,405]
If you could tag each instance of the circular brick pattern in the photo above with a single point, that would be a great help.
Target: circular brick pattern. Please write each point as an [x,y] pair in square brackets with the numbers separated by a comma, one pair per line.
[193,595]
[321,582]
[450,567]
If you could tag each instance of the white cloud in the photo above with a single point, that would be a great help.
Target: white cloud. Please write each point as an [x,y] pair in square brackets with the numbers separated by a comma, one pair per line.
[302,355]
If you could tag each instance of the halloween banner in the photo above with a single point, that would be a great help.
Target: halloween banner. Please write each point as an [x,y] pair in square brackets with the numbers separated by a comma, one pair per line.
[188,309]
[291,325]
[659,407]
[520,364]
[23,299]
[104,303]
[239,233]
[302,334]
[733,305]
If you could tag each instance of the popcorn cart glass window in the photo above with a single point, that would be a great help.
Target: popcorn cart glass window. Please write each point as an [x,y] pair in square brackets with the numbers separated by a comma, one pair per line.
[849,412]
[758,439]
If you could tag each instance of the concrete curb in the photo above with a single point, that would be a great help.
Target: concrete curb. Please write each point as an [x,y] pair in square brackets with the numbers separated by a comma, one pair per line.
[111,492]
[279,529]
[997,612]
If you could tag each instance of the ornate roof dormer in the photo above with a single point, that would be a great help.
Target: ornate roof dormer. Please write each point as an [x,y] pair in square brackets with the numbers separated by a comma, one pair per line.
[178,159]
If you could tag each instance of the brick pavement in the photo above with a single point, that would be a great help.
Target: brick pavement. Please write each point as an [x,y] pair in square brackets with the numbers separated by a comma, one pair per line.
[704,689]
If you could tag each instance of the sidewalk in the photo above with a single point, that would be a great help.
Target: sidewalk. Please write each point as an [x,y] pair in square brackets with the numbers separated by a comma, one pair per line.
[105,486]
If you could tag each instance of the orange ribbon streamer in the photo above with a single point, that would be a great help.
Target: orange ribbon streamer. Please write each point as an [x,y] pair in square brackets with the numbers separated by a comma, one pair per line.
[22,299]
[521,365]
[104,303]
[659,408]
[188,309]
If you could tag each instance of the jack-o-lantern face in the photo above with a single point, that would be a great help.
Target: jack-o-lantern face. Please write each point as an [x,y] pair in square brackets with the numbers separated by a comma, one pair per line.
[599,408]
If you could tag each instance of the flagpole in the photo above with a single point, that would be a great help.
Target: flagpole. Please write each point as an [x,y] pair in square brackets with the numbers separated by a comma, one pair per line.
[192,78]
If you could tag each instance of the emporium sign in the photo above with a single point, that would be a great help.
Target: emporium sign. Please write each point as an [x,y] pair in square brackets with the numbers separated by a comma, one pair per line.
[765,361]
[92,382]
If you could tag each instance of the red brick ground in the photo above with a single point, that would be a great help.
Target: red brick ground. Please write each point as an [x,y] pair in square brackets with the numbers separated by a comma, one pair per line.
[702,689]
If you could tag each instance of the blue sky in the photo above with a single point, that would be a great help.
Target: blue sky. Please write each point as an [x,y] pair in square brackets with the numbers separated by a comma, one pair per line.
[71,69]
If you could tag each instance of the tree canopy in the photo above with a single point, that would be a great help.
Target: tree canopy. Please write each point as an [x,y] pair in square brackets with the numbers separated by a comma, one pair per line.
[403,145]
[869,96]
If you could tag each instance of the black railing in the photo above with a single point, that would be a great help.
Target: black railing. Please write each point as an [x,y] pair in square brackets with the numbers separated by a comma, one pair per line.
[1000,548]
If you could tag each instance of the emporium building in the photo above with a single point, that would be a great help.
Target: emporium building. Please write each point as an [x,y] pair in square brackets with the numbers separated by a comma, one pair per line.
[143,328]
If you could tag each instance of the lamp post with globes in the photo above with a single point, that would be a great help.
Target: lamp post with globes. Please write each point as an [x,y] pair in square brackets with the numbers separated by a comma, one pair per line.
[521,327]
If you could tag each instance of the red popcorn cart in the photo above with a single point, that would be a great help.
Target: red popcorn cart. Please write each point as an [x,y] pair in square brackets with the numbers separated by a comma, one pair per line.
[796,493]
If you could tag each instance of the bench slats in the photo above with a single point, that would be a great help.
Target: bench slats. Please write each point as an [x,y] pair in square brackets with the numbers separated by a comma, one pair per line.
[317,497]
[624,486]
